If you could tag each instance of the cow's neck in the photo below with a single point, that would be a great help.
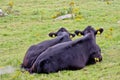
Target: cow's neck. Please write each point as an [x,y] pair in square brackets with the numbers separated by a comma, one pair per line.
[87,38]
[93,39]
[88,42]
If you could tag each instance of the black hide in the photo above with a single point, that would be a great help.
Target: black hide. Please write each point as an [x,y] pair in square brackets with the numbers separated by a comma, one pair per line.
[70,55]
[35,50]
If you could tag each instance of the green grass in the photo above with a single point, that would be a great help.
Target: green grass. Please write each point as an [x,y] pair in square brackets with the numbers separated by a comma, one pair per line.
[34,22]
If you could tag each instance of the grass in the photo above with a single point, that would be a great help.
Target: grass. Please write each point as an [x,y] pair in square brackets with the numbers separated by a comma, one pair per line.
[34,22]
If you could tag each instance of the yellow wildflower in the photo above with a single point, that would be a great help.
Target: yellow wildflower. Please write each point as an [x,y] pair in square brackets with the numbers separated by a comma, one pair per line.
[111,29]
[37,34]
[11,3]
[107,2]
[77,19]
[75,10]
[72,3]
[54,16]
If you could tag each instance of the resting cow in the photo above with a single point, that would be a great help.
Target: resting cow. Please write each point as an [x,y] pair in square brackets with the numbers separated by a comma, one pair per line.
[35,50]
[70,55]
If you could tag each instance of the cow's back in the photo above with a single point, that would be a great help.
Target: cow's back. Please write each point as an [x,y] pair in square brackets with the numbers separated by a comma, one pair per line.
[35,50]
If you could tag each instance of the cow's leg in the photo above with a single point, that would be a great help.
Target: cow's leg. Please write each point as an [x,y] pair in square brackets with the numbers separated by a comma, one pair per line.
[49,67]
[76,66]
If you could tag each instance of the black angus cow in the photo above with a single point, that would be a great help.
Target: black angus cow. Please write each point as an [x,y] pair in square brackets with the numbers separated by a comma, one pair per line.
[70,55]
[35,50]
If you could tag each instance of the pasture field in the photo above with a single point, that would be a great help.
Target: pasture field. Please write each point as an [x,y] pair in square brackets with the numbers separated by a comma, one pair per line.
[30,22]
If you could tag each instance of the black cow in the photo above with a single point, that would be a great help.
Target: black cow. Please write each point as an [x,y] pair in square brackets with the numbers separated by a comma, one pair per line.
[94,57]
[70,55]
[35,50]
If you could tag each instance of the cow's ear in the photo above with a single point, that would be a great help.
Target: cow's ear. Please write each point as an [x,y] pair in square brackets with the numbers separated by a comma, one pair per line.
[52,34]
[72,35]
[78,33]
[99,31]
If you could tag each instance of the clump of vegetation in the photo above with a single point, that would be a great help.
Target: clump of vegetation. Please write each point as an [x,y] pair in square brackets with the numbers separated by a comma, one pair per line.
[35,12]
[10,7]
[72,9]
[39,14]
[108,1]
[109,33]
[10,10]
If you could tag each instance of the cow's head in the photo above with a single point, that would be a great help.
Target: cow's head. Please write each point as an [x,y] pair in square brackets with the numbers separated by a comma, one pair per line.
[94,58]
[89,29]
[60,32]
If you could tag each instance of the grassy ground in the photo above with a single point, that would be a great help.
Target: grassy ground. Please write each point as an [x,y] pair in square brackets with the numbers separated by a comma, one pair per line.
[34,22]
